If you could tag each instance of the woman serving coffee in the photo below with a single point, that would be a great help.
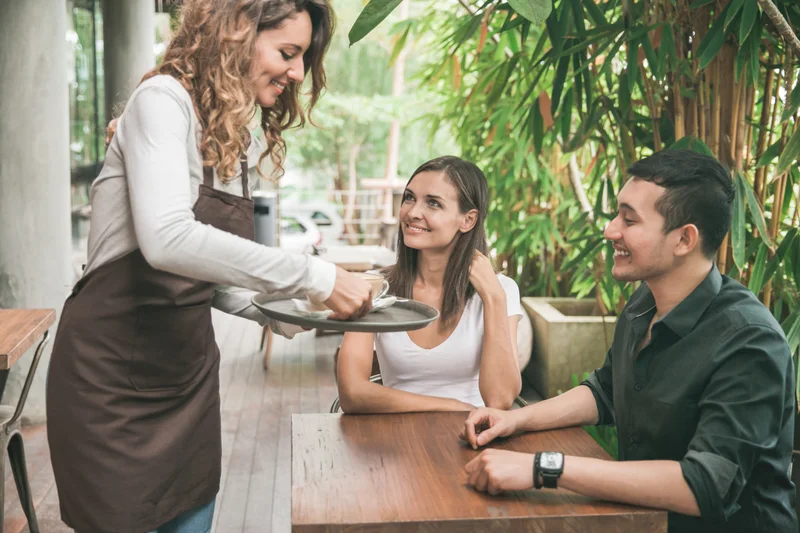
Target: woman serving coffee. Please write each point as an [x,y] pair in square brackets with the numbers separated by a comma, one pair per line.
[468,356]
[133,406]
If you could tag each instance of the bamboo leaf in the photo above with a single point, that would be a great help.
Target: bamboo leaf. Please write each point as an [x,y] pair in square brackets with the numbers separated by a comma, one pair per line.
[755,210]
[692,143]
[610,57]
[534,10]
[755,51]
[790,153]
[373,14]
[737,226]
[713,41]
[759,267]
[588,251]
[780,253]
[399,44]
[796,262]
[733,9]
[701,3]
[652,58]
[666,51]
[633,64]
[769,155]
[792,329]
[594,13]
[562,29]
[565,120]
[750,16]
[558,83]
[793,104]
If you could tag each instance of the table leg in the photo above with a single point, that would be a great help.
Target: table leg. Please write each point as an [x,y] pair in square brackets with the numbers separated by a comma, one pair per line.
[3,379]
[266,345]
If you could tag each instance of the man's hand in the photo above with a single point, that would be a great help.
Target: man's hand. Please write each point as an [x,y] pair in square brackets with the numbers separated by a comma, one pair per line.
[485,424]
[494,471]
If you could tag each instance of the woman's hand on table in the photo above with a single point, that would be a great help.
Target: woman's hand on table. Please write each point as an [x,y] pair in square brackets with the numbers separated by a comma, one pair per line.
[484,425]
[495,471]
[351,296]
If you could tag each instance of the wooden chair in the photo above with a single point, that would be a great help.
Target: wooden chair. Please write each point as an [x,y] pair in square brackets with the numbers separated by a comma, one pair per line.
[19,329]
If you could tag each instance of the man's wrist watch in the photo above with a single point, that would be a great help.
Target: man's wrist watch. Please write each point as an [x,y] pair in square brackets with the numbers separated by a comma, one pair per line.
[550,466]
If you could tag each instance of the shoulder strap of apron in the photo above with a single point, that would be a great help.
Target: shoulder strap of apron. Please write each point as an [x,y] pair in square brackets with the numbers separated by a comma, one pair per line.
[245,185]
[208,177]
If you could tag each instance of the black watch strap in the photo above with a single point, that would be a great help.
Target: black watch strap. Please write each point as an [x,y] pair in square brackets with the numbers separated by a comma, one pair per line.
[536,483]
[550,480]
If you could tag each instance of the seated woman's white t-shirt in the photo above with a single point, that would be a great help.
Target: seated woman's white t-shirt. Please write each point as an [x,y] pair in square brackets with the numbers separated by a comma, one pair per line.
[449,370]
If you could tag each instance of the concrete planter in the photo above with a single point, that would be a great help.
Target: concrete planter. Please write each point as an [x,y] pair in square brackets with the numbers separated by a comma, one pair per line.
[568,339]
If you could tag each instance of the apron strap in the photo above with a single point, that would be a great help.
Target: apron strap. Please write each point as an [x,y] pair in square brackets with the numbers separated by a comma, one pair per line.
[245,186]
[208,177]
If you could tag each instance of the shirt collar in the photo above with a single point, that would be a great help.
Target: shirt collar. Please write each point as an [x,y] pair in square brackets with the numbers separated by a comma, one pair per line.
[683,318]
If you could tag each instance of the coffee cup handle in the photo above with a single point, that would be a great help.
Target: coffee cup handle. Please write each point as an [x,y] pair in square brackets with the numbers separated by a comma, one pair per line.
[384,290]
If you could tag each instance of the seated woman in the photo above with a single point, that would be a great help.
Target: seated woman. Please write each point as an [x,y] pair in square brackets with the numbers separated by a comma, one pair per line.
[467,357]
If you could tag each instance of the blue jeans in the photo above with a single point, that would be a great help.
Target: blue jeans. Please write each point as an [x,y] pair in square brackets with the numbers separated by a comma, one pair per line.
[197,520]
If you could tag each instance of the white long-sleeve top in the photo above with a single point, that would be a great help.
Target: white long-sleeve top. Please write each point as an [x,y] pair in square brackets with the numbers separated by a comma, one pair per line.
[144,195]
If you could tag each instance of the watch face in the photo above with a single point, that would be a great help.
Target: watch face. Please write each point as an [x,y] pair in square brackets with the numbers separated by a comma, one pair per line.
[551,461]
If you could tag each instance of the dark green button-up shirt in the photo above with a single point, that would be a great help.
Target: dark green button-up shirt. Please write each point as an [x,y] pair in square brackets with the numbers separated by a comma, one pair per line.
[714,390]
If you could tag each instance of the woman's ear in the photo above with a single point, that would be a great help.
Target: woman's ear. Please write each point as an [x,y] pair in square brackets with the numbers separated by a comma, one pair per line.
[470,219]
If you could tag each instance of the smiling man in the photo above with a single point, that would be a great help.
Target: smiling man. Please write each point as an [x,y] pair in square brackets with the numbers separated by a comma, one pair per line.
[699,379]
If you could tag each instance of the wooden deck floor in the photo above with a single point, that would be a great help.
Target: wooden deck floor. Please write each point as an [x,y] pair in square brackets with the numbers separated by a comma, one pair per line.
[256,412]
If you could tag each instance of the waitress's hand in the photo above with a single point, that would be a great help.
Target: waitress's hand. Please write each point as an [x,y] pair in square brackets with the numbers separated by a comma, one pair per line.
[351,296]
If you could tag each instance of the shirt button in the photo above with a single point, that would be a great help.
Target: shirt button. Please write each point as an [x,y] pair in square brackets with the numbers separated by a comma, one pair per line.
[638,387]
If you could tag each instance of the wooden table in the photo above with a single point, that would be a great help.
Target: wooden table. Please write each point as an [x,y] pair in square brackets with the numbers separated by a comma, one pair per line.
[397,473]
[19,330]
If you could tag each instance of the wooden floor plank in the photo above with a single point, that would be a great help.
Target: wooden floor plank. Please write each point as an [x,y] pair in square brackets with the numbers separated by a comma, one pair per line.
[232,501]
[258,517]
[290,403]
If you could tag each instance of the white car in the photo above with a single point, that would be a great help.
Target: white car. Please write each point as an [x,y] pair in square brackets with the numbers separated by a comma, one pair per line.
[325,215]
[299,233]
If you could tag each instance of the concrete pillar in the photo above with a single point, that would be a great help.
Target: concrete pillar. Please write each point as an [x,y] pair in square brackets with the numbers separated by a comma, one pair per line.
[35,244]
[129,36]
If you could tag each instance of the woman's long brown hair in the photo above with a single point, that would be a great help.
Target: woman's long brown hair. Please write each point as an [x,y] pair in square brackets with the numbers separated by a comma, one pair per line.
[473,193]
[210,56]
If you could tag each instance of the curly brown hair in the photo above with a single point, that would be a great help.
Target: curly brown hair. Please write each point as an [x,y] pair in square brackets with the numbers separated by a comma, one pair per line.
[210,56]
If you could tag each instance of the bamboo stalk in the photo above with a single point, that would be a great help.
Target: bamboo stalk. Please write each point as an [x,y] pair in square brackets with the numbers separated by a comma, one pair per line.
[654,112]
[783,27]
[737,139]
[761,144]
[750,109]
[780,186]
[701,104]
[771,132]
[716,108]
[738,90]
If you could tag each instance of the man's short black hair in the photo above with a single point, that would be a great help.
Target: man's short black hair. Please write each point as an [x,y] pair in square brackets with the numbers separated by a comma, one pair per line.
[699,191]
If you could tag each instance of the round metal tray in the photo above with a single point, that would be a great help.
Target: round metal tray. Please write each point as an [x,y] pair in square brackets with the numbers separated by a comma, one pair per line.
[402,316]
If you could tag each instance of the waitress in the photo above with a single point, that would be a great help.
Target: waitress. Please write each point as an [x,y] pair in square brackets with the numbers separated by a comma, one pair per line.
[133,403]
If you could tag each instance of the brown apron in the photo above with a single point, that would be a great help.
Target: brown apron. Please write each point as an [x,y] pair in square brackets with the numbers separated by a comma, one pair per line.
[133,409]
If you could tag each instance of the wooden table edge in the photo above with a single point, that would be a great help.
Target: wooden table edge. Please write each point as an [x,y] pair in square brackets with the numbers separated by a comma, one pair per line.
[9,356]
[444,524]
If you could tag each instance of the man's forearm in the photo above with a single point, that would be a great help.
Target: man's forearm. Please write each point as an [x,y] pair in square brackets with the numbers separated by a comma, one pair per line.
[656,484]
[576,407]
